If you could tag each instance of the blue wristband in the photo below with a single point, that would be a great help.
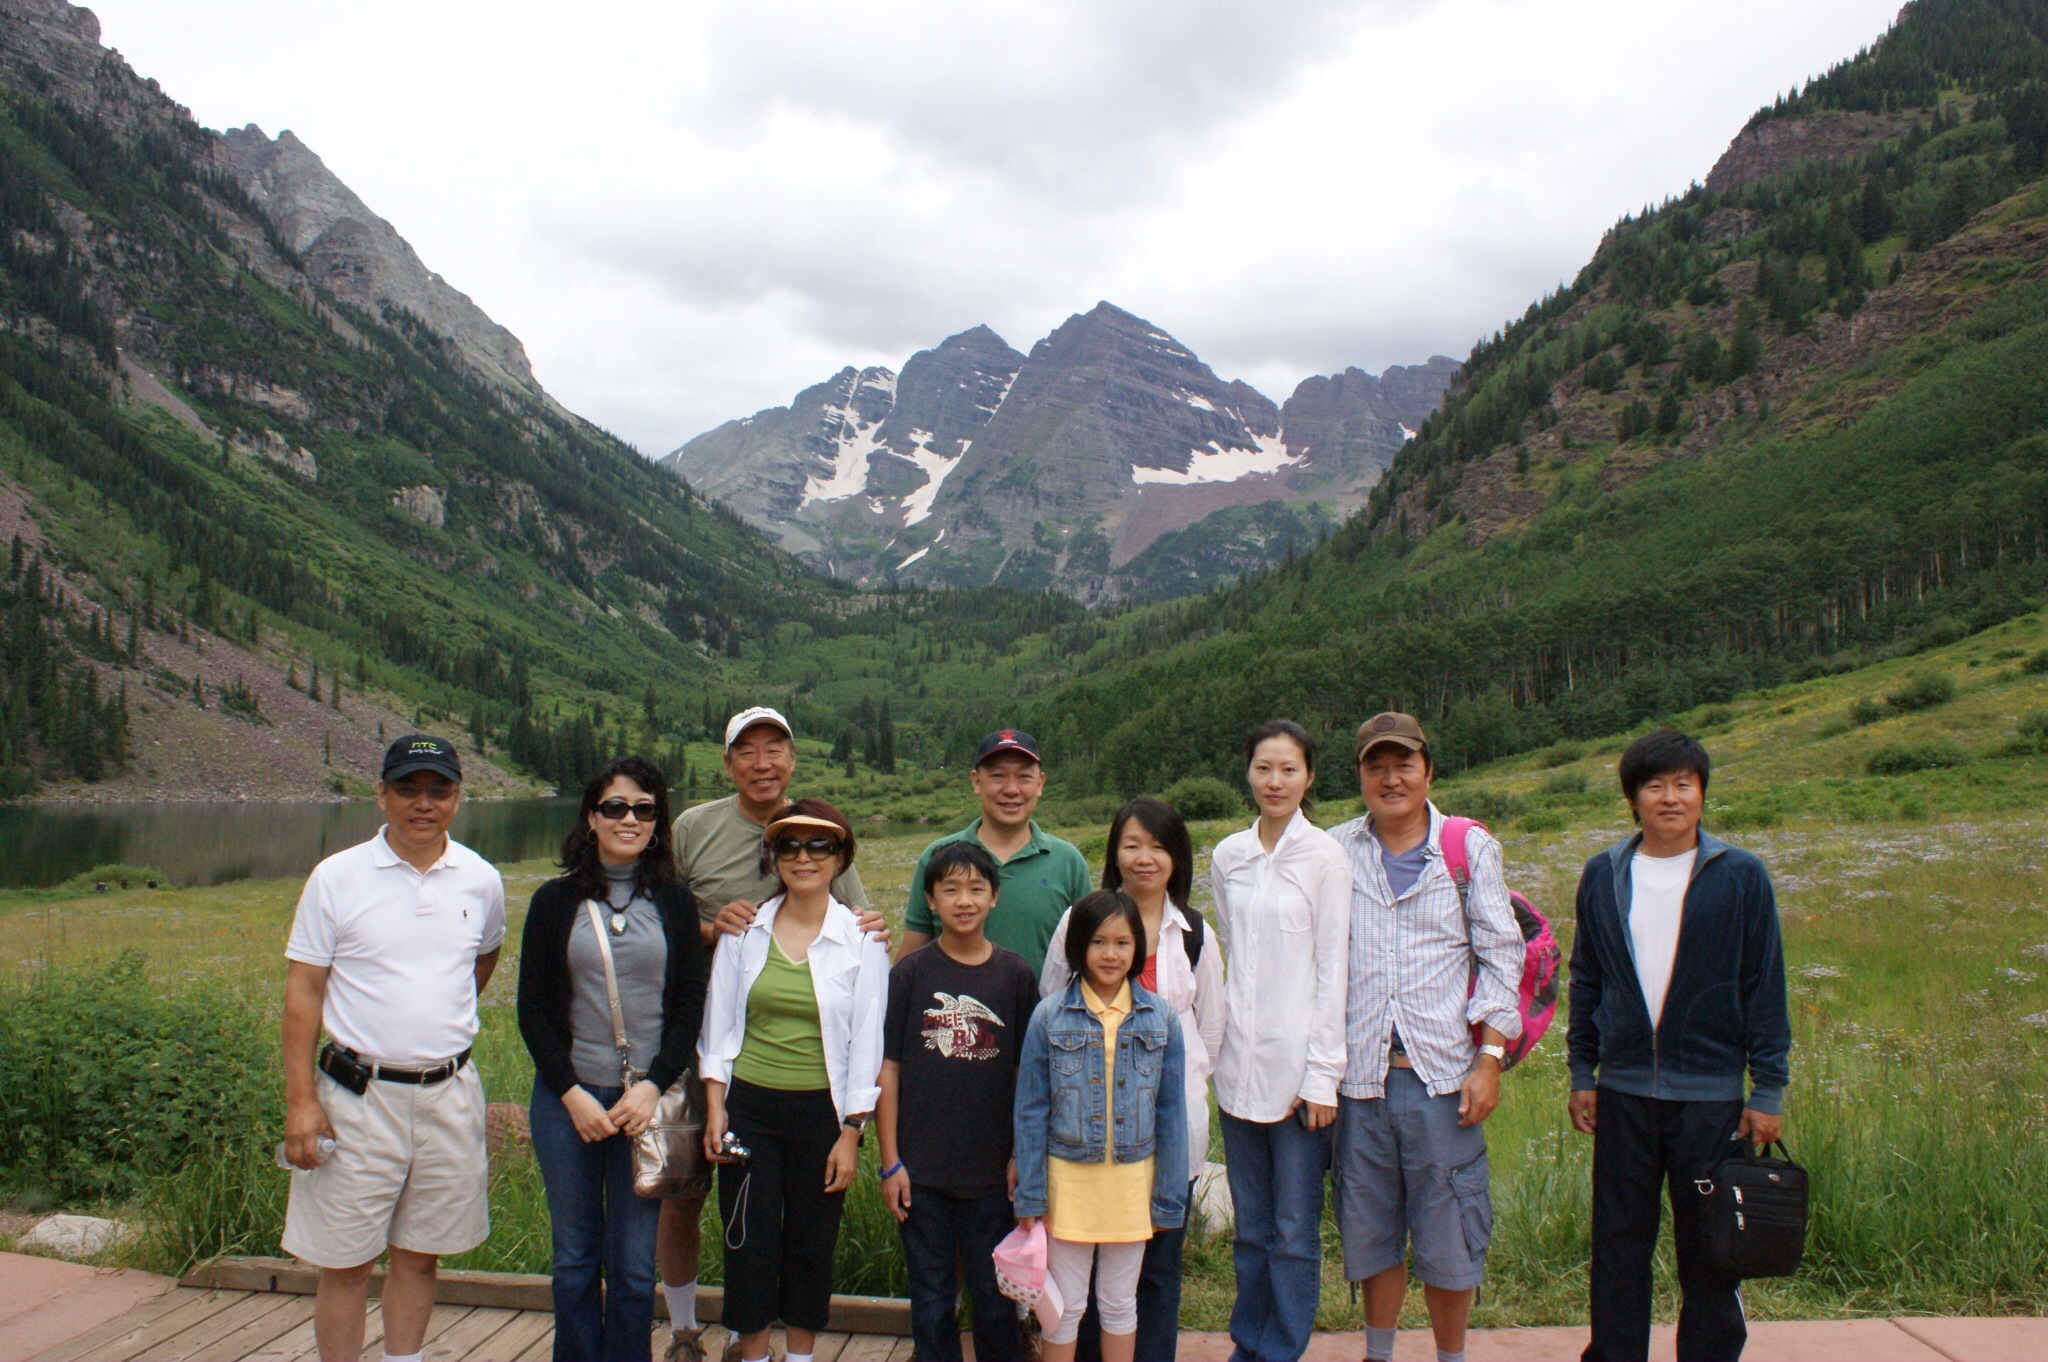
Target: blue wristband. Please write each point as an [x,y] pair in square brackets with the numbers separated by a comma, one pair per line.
[892,1170]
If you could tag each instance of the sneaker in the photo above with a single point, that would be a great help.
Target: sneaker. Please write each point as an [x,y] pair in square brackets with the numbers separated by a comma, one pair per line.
[685,1345]
[732,1353]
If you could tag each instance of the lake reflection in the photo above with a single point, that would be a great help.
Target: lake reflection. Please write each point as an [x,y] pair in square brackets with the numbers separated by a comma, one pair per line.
[44,844]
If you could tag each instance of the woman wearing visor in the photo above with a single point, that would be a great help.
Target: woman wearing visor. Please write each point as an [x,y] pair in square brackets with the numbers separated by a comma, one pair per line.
[791,1054]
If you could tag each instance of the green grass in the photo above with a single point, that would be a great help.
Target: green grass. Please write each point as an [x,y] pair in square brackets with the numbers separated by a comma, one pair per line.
[1916,940]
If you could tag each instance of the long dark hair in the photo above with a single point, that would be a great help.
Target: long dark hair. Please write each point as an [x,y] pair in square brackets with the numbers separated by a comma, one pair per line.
[1157,817]
[1296,734]
[1085,919]
[656,866]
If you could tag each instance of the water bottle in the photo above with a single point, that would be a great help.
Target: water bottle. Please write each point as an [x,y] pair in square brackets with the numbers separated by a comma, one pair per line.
[323,1149]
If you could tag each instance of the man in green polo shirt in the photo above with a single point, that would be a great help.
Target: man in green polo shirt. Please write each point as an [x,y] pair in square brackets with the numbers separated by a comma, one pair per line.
[1042,875]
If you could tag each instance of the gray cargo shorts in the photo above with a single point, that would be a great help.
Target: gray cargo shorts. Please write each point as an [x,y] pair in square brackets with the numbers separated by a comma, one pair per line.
[1405,1174]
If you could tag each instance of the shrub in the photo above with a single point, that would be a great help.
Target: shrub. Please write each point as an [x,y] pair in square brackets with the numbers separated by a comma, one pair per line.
[1563,754]
[1923,690]
[1495,808]
[2037,662]
[1203,797]
[1566,783]
[2033,734]
[1865,712]
[107,1081]
[1899,759]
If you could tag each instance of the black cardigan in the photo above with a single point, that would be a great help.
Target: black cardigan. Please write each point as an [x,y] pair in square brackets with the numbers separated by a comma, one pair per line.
[544,988]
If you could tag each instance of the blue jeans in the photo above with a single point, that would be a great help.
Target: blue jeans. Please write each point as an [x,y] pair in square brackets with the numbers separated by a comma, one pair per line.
[1276,1191]
[603,1236]
[942,1230]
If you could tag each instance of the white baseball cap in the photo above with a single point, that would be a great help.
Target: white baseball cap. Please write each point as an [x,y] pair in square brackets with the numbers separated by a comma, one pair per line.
[747,718]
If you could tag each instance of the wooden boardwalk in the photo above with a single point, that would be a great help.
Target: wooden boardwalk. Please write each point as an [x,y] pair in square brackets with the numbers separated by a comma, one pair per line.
[207,1324]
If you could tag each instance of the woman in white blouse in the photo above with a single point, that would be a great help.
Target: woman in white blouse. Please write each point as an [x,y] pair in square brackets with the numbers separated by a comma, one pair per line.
[1283,908]
[1151,859]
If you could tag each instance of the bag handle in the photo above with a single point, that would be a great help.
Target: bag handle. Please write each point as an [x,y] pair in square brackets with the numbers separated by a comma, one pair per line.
[611,990]
[1705,1185]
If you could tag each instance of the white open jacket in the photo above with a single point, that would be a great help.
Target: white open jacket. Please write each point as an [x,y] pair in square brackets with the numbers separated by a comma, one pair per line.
[1194,993]
[849,974]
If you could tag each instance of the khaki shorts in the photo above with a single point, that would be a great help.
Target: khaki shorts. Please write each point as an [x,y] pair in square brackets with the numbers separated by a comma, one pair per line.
[408,1171]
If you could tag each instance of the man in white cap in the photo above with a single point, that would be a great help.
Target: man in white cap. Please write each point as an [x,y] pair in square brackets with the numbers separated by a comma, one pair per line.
[718,854]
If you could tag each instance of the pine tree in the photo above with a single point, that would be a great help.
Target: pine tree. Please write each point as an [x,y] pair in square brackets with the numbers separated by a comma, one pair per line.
[313,686]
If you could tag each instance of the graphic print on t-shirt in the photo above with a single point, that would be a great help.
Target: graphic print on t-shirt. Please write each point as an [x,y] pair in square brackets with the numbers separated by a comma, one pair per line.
[958,1028]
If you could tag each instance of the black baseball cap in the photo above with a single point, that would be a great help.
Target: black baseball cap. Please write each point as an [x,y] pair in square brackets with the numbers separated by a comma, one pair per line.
[1006,740]
[418,752]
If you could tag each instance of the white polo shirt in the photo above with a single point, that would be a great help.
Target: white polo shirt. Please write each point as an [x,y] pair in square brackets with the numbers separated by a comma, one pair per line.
[400,948]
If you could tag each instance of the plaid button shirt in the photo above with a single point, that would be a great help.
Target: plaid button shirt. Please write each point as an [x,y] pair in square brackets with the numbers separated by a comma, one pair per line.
[1412,961]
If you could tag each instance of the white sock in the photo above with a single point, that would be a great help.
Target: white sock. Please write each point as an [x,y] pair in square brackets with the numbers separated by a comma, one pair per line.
[1442,1356]
[403,1357]
[682,1305]
[796,1357]
[1379,1344]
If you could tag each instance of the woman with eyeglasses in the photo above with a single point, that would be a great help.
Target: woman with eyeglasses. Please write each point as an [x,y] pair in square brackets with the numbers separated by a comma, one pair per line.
[584,1114]
[791,1055]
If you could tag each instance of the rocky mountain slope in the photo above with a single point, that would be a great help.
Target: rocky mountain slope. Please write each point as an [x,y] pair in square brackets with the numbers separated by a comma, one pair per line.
[1775,428]
[979,465]
[240,418]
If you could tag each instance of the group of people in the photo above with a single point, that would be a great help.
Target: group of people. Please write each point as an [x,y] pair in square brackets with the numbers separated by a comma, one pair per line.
[1041,1053]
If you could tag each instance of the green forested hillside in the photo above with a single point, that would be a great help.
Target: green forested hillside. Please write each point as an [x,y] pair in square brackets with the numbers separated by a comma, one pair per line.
[1771,430]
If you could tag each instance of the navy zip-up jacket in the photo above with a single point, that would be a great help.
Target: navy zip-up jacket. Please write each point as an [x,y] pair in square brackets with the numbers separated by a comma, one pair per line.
[1725,1009]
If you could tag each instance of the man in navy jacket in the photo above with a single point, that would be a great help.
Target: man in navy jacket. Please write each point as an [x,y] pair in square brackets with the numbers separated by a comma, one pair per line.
[1677,992]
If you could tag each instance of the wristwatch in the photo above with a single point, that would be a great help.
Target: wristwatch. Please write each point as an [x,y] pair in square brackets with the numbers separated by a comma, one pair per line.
[857,1124]
[1499,1053]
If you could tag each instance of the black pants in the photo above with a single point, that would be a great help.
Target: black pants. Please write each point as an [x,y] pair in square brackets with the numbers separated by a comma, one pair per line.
[1639,1144]
[781,1228]
[1158,1300]
[944,1235]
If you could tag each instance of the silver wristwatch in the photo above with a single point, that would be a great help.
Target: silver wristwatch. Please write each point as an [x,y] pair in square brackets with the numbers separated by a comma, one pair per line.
[1499,1053]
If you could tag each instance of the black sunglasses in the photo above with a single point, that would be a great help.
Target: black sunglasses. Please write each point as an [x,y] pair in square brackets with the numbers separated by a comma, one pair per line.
[820,847]
[615,810]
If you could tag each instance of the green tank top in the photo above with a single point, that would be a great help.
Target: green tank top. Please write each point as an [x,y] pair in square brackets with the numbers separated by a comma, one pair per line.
[784,1046]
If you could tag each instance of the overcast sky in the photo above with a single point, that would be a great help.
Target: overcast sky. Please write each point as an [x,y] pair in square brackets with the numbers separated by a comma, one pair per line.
[688,211]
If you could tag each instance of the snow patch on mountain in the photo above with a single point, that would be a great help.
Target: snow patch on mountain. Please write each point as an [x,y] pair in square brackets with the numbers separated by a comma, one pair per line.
[921,552]
[917,505]
[1217,464]
[857,441]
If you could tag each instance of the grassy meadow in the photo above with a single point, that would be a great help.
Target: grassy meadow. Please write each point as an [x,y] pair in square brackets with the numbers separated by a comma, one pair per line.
[1916,935]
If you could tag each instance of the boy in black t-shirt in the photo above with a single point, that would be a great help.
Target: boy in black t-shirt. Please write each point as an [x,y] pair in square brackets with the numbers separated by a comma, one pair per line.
[958,1009]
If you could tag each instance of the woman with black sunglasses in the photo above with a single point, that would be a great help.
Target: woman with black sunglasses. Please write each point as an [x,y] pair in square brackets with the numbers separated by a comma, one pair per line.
[583,1114]
[791,1056]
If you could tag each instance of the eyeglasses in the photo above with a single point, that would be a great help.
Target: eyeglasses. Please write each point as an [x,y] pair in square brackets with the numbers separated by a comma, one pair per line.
[615,810]
[786,848]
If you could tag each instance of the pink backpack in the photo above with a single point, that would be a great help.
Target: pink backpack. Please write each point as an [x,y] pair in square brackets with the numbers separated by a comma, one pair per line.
[1536,999]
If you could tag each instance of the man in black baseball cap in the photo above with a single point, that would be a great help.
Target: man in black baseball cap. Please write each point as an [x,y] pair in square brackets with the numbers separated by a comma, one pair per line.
[1042,875]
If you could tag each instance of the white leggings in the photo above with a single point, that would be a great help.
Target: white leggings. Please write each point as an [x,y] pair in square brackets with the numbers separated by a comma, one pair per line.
[1116,1268]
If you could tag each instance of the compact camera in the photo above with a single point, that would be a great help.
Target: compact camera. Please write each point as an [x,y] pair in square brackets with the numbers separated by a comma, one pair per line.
[732,1148]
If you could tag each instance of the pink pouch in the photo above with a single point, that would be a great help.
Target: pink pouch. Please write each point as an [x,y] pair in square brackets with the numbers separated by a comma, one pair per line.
[1021,1274]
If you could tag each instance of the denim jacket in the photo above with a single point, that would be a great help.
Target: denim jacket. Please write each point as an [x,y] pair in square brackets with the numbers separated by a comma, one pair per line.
[1061,1111]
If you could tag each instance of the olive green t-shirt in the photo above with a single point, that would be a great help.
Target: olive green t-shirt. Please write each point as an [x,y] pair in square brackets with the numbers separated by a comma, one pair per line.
[784,1044]
[1038,884]
[718,854]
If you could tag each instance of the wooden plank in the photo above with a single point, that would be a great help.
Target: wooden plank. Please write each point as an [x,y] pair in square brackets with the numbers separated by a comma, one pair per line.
[236,1331]
[143,1314]
[151,1336]
[476,1329]
[512,1341]
[542,1348]
[201,1338]
[868,1348]
[829,1347]
[236,1274]
[443,1318]
[287,1313]
[870,1315]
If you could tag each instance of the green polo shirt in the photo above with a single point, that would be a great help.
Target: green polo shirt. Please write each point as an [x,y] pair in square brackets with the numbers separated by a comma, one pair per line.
[1038,884]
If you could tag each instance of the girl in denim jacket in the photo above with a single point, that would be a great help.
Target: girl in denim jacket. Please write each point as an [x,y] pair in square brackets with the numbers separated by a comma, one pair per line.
[1101,1139]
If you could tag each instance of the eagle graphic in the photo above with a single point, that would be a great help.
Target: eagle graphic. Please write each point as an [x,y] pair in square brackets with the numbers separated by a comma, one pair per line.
[954,1028]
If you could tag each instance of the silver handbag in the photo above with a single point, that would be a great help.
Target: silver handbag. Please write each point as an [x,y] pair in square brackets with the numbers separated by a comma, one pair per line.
[668,1156]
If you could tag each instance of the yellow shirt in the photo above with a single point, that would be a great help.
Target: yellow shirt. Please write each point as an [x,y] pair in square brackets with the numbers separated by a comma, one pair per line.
[1107,1202]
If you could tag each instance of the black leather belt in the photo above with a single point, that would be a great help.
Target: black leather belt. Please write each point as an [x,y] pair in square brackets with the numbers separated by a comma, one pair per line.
[347,1068]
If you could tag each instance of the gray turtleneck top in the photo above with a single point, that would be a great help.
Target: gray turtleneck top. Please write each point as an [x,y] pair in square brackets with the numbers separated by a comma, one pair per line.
[640,959]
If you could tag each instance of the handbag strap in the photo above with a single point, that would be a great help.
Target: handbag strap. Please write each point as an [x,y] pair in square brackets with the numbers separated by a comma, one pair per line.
[1744,1149]
[611,982]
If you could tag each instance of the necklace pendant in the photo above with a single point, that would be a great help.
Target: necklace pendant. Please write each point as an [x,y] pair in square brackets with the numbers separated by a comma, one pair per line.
[618,924]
